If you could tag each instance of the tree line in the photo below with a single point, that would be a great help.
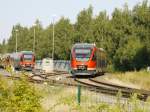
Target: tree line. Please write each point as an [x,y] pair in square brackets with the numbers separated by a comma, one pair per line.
[125,36]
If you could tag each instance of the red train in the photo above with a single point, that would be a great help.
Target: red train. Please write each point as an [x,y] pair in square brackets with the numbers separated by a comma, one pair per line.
[23,60]
[87,59]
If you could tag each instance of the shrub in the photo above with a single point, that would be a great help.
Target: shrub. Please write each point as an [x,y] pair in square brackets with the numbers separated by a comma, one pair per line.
[18,96]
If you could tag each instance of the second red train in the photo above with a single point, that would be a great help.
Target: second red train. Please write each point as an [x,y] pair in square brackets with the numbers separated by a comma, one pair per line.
[87,59]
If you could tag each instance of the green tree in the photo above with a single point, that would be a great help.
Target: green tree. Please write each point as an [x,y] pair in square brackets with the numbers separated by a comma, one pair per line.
[83,25]
[130,55]
[63,37]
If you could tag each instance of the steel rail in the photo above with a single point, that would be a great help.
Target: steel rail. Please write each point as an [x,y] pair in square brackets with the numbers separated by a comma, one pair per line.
[69,81]
[141,91]
[114,91]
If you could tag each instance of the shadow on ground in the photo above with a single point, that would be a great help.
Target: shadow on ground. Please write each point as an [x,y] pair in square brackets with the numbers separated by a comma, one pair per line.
[86,76]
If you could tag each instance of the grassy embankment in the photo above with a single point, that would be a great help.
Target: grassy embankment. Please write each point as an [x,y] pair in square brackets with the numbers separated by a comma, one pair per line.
[140,79]
[62,99]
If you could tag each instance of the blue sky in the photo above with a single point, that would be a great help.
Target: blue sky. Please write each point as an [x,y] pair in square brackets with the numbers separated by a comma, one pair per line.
[26,12]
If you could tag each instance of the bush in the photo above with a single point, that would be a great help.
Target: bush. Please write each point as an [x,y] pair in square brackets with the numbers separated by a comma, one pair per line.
[18,96]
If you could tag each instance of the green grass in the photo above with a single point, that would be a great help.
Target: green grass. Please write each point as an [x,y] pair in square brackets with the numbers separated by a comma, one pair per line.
[141,78]
[62,98]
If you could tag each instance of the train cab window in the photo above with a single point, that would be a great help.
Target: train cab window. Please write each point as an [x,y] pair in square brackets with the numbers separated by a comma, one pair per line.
[28,57]
[82,54]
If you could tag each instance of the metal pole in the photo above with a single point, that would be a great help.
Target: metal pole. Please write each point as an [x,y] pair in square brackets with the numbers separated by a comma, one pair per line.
[34,41]
[79,94]
[53,39]
[16,40]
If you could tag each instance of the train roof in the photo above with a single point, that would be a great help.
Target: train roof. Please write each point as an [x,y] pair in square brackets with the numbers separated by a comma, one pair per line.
[20,53]
[84,45]
[87,45]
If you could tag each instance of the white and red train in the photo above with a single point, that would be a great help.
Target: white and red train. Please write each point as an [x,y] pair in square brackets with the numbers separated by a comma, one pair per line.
[87,59]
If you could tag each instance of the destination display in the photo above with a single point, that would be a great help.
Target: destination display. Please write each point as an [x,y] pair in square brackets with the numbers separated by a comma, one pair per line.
[82,51]
[27,56]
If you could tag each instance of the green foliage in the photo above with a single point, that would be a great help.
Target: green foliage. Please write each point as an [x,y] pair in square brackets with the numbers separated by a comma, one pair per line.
[125,36]
[84,25]
[129,56]
[137,79]
[63,34]
[18,96]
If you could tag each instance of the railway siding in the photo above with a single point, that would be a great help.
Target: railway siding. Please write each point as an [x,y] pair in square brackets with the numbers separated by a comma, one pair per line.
[63,78]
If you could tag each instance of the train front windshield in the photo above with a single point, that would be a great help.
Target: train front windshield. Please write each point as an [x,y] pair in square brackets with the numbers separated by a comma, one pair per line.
[82,54]
[28,57]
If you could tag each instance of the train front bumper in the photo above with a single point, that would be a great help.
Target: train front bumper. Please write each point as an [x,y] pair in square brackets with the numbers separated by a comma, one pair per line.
[80,72]
[27,67]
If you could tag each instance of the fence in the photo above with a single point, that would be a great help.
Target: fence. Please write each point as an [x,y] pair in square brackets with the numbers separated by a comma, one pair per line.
[59,65]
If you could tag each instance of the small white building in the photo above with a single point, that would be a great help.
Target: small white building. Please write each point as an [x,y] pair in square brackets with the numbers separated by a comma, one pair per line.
[148,68]
[47,65]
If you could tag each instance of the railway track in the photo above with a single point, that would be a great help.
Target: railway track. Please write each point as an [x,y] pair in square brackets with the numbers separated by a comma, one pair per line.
[48,77]
[63,78]
[112,89]
[96,86]
[141,91]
